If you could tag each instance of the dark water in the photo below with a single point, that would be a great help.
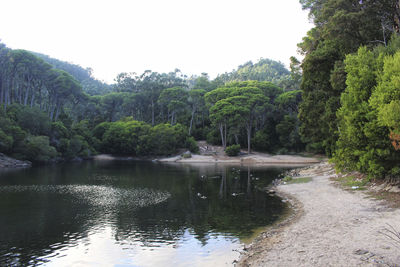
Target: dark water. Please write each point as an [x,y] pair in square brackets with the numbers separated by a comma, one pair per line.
[132,214]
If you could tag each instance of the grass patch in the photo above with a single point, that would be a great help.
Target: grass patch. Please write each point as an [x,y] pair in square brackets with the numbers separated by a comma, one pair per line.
[352,181]
[302,180]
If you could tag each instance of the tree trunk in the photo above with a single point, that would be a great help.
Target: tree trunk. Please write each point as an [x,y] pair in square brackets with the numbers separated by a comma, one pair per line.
[32,99]
[191,121]
[26,96]
[57,112]
[52,113]
[221,130]
[172,117]
[152,112]
[248,129]
[236,139]
[225,137]
[1,91]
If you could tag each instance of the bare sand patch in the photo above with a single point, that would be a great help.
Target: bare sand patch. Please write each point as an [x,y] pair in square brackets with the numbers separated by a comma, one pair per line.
[333,227]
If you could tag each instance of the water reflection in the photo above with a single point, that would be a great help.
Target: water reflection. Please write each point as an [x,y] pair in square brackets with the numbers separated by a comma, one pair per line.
[133,213]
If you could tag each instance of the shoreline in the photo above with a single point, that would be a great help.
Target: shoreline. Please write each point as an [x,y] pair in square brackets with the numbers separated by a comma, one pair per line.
[252,159]
[7,163]
[329,226]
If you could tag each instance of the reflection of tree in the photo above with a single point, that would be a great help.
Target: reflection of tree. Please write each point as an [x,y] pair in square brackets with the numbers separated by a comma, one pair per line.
[33,222]
[232,206]
[36,223]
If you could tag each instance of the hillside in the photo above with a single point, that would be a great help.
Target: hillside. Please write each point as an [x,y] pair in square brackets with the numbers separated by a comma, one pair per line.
[89,84]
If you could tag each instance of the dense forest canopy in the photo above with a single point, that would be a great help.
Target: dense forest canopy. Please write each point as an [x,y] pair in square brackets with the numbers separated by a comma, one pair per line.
[345,70]
[342,99]
[54,110]
[89,84]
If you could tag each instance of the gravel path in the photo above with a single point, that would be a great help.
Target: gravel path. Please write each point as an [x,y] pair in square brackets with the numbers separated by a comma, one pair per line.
[336,228]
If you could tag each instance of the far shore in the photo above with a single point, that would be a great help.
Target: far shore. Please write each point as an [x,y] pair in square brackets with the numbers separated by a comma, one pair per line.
[215,154]
[252,159]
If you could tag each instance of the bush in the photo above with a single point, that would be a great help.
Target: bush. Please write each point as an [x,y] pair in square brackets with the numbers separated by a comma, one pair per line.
[232,150]
[122,137]
[261,141]
[191,144]
[6,142]
[38,149]
[34,121]
[214,137]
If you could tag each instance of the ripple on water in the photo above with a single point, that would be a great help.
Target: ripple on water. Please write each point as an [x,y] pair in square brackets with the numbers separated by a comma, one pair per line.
[97,195]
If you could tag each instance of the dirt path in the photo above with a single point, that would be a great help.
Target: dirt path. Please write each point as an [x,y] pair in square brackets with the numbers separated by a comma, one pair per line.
[336,228]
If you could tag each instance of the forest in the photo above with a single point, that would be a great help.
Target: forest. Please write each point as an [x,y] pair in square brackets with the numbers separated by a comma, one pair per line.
[54,110]
[341,99]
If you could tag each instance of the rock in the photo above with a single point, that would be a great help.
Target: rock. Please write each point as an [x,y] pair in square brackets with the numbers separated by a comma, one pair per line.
[360,252]
[7,162]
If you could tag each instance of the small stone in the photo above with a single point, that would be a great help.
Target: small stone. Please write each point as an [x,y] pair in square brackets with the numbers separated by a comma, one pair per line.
[360,252]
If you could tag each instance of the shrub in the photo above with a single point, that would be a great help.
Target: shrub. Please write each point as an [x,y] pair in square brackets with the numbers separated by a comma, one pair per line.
[6,142]
[34,121]
[38,149]
[213,137]
[191,144]
[232,150]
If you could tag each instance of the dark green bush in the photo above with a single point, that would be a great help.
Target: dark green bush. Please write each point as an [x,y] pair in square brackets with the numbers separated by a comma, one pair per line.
[38,149]
[191,144]
[214,137]
[232,150]
[6,142]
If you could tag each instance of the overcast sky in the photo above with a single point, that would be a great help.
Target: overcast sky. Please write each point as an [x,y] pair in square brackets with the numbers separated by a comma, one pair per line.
[114,36]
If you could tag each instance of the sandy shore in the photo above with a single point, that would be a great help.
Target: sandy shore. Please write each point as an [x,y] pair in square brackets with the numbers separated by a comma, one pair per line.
[254,158]
[331,227]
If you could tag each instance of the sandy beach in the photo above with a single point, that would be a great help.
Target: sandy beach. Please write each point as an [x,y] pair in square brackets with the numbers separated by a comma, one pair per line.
[330,227]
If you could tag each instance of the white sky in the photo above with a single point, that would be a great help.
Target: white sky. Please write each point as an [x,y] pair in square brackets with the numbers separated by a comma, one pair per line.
[116,36]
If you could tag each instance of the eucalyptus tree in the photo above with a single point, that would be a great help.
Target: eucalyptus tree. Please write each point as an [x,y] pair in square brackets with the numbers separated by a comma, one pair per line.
[196,103]
[112,105]
[219,121]
[62,87]
[175,100]
[148,86]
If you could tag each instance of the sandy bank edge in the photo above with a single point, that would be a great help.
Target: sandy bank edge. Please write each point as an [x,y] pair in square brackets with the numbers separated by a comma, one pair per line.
[335,227]
[271,235]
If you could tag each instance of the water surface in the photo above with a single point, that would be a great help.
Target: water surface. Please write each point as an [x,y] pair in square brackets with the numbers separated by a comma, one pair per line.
[124,213]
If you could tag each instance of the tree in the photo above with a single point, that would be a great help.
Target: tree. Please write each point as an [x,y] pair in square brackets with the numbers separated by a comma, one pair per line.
[175,100]
[197,104]
[342,26]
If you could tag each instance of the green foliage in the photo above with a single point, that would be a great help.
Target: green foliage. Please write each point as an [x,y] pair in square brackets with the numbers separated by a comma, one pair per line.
[213,137]
[162,139]
[368,113]
[6,142]
[289,137]
[38,149]
[232,150]
[191,144]
[34,121]
[341,27]
[41,96]
[262,141]
[264,70]
[122,137]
